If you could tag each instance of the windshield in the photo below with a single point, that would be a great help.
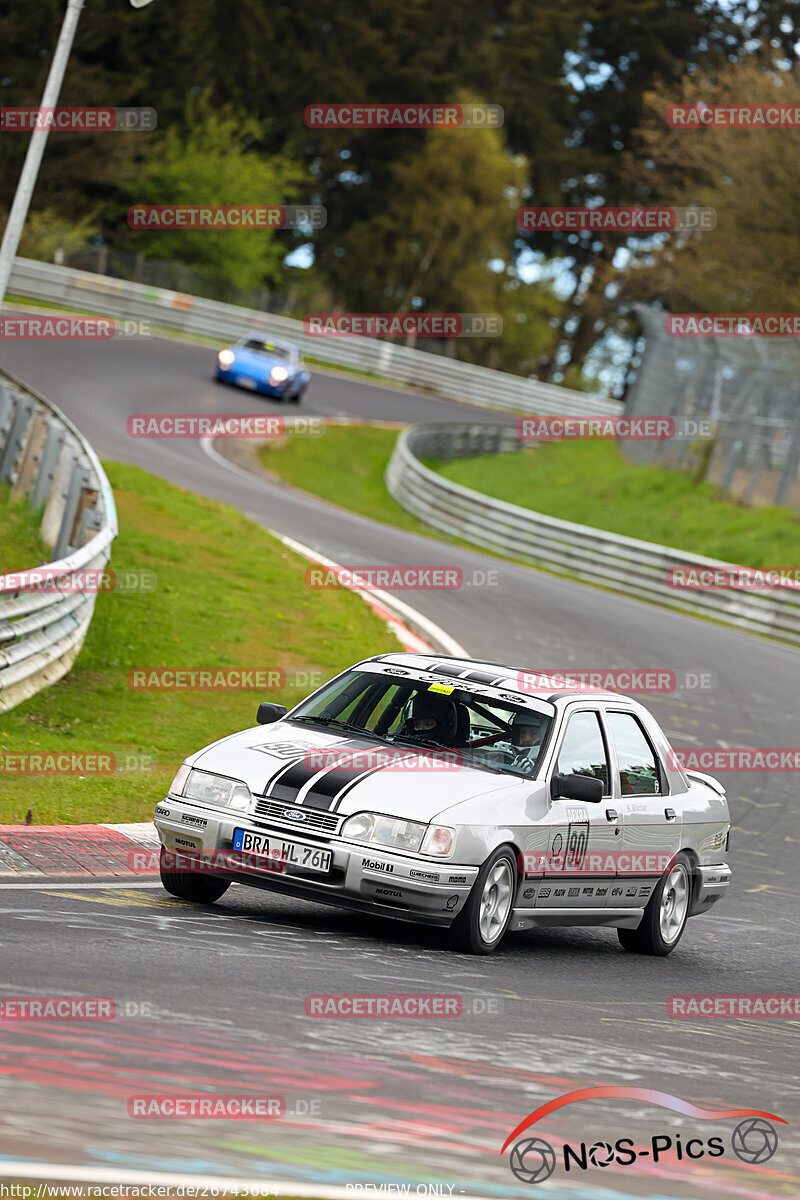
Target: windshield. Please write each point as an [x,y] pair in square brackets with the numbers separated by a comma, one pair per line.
[492,734]
[268,348]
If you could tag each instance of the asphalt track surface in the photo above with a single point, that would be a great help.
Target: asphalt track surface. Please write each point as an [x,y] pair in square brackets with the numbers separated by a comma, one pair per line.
[408,1101]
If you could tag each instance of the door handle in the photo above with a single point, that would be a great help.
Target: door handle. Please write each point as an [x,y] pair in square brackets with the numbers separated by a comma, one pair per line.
[669,813]
[611,814]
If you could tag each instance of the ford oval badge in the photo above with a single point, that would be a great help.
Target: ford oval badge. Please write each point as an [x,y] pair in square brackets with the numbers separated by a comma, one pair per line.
[293,814]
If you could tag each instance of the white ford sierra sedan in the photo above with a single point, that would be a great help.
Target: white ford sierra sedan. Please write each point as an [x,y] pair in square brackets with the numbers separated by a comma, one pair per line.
[449,792]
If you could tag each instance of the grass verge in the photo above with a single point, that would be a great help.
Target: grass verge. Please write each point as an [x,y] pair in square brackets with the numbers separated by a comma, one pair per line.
[587,482]
[590,482]
[228,596]
[346,467]
[21,547]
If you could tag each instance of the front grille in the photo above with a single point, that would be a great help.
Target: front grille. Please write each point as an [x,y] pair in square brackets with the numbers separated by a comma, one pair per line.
[316,819]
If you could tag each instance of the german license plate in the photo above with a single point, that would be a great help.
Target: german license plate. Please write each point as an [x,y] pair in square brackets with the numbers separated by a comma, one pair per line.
[294,854]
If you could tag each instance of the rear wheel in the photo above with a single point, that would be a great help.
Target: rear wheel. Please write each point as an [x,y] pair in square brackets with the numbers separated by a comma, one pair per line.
[188,885]
[665,916]
[479,928]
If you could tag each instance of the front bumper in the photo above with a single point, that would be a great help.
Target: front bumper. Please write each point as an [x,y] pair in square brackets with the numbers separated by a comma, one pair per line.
[367,878]
[252,383]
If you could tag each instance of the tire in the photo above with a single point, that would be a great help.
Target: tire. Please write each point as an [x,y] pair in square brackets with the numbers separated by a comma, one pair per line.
[481,926]
[188,885]
[665,916]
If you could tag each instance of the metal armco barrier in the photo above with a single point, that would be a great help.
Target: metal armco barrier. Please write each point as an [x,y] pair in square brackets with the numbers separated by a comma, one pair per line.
[47,459]
[623,564]
[480,386]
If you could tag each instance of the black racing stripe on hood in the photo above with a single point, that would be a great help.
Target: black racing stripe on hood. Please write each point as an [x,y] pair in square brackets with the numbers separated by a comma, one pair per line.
[288,783]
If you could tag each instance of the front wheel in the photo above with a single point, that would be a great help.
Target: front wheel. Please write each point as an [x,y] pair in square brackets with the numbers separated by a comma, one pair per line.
[665,916]
[188,885]
[479,928]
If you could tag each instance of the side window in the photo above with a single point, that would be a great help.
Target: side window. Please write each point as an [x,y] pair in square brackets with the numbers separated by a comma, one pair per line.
[583,750]
[638,768]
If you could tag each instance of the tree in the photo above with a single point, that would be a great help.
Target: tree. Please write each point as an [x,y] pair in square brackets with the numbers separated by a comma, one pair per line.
[213,160]
[445,231]
[751,177]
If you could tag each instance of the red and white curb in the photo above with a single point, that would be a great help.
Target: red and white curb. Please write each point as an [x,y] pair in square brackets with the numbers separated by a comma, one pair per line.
[76,851]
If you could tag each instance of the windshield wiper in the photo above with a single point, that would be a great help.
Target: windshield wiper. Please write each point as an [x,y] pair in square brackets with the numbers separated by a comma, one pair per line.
[346,725]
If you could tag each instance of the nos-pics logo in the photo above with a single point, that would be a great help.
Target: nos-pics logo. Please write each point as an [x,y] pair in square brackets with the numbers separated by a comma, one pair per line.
[532,1159]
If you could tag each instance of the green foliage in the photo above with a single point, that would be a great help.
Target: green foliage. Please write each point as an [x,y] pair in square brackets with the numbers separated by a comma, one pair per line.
[214,159]
[591,483]
[228,596]
[21,545]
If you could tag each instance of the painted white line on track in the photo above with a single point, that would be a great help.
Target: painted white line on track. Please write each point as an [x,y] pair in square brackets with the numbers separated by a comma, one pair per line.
[68,885]
[447,643]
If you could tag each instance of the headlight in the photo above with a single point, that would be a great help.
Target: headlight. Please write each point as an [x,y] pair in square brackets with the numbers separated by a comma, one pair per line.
[217,791]
[279,374]
[380,830]
[225,358]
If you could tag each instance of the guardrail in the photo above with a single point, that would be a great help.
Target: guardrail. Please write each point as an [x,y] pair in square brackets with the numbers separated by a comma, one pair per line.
[623,564]
[195,315]
[47,459]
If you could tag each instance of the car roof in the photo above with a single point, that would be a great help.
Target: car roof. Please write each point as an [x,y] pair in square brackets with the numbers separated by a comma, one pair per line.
[527,681]
[260,336]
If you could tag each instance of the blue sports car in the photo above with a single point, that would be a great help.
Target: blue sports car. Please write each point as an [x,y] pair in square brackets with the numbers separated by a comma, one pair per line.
[265,365]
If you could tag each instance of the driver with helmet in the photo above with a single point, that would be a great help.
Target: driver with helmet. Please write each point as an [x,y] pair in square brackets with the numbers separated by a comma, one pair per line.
[526,740]
[430,718]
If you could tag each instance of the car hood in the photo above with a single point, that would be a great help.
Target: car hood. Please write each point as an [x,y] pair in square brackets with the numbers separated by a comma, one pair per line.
[256,361]
[343,773]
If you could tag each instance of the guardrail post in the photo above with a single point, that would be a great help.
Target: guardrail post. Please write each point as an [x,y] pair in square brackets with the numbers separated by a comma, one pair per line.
[16,439]
[46,467]
[30,455]
[6,404]
[79,480]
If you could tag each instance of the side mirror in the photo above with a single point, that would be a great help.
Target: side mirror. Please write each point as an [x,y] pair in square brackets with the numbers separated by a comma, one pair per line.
[267,713]
[577,787]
